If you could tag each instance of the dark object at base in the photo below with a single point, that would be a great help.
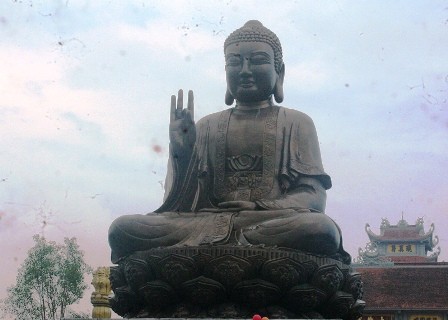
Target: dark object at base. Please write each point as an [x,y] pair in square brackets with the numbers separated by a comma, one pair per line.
[234,282]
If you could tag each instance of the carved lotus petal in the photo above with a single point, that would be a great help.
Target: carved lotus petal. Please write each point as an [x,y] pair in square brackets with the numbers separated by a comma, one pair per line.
[229,310]
[176,269]
[305,298]
[116,277]
[180,310]
[339,305]
[310,267]
[357,310]
[329,278]
[201,259]
[203,291]
[354,285]
[123,301]
[256,261]
[137,273]
[157,294]
[153,261]
[256,293]
[228,270]
[284,272]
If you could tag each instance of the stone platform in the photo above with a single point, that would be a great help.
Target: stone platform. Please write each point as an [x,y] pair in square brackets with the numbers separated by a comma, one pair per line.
[234,282]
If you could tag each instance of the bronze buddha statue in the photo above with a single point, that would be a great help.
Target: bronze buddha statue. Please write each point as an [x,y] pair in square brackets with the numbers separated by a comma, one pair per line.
[248,175]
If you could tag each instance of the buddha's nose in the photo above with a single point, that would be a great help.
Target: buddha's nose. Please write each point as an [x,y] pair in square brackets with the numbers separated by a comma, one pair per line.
[245,68]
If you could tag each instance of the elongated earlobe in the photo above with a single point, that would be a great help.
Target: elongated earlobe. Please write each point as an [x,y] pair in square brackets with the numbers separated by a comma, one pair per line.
[229,98]
[278,92]
[278,89]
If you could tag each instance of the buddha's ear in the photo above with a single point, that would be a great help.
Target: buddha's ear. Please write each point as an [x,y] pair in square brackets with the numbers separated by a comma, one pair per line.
[278,89]
[229,98]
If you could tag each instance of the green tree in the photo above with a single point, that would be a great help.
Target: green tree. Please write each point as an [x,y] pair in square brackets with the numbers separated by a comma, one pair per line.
[50,279]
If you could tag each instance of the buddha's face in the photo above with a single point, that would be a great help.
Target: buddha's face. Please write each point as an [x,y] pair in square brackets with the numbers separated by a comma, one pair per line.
[250,71]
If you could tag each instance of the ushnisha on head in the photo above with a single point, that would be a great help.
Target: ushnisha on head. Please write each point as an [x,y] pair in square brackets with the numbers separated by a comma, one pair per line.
[253,33]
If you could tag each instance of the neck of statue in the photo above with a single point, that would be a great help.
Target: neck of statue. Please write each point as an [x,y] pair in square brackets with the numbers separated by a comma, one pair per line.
[253,105]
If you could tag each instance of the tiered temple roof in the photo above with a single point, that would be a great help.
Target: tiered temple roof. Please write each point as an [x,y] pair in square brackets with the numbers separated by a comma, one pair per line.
[404,232]
[400,243]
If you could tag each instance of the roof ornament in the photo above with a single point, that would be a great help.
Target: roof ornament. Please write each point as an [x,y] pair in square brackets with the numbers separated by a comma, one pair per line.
[370,257]
[367,228]
[435,241]
[402,223]
[419,226]
[384,223]
[436,253]
[419,222]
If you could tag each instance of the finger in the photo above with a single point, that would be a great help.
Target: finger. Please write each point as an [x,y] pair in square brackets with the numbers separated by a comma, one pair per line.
[187,115]
[173,108]
[223,204]
[190,104]
[210,210]
[180,100]
[221,210]
[236,209]
[228,204]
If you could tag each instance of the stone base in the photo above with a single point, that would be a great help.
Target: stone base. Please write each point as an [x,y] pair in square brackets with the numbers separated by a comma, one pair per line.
[234,282]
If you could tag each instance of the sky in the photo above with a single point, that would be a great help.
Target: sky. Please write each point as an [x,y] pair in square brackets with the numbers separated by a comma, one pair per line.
[85,92]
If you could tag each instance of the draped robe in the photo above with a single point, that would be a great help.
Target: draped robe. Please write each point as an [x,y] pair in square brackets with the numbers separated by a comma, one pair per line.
[289,151]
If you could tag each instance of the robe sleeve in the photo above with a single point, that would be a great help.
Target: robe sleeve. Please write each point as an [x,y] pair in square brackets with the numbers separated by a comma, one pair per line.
[182,181]
[301,152]
[186,176]
[301,175]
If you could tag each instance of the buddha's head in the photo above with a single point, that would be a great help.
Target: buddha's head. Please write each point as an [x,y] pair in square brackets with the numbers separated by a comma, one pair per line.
[254,64]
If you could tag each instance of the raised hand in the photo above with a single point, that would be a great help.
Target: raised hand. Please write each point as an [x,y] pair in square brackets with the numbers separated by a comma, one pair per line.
[182,127]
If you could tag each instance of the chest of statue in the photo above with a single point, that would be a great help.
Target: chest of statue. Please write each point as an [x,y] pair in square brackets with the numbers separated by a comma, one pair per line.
[245,154]
[245,137]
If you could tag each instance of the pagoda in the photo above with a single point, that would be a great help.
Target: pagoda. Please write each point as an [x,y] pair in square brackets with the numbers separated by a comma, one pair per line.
[400,243]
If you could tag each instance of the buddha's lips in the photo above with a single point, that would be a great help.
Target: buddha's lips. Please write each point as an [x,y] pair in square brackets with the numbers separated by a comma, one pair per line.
[246,84]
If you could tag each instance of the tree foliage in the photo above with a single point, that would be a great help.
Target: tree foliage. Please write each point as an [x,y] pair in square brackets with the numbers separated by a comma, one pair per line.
[50,279]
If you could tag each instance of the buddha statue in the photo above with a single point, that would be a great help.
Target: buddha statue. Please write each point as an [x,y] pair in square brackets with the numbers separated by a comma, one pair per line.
[250,175]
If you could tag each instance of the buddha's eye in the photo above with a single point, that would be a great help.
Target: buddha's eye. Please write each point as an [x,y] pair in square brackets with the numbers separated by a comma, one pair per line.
[233,61]
[259,59]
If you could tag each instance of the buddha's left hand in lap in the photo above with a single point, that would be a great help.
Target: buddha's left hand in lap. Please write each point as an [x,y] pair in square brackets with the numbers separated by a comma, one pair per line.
[232,206]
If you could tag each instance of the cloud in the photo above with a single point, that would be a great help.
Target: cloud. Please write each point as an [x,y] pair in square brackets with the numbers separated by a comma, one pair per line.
[161,37]
[40,103]
[34,94]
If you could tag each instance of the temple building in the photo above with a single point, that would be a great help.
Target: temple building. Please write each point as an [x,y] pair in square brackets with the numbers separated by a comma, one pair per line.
[402,279]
